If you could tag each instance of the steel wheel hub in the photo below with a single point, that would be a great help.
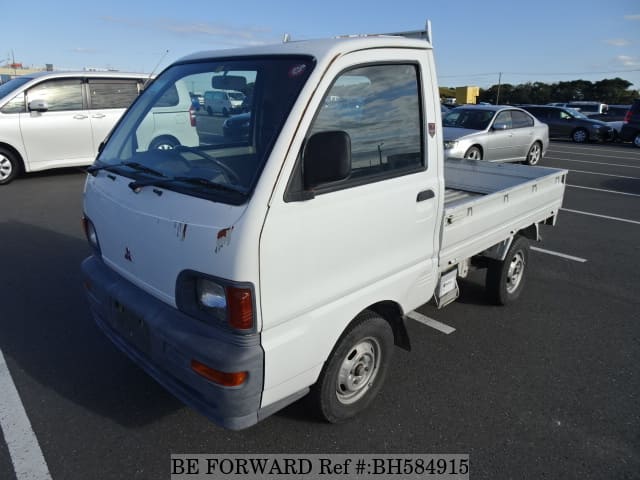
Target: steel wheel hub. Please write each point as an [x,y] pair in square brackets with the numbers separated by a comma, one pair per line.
[515,272]
[358,370]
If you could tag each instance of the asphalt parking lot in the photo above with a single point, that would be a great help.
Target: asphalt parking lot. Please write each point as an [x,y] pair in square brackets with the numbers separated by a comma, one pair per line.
[546,388]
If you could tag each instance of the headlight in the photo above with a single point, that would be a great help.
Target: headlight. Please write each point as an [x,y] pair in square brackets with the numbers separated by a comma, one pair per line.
[211,295]
[216,301]
[449,144]
[91,234]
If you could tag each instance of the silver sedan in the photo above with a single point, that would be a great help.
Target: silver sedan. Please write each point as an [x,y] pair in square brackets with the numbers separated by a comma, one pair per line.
[494,133]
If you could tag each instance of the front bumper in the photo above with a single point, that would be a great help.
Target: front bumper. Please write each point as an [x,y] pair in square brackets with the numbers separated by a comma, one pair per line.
[163,341]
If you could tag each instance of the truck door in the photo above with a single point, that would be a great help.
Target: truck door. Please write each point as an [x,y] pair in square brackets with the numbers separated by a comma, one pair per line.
[368,238]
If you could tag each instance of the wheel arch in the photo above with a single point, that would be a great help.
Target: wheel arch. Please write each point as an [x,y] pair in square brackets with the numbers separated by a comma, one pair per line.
[14,151]
[393,314]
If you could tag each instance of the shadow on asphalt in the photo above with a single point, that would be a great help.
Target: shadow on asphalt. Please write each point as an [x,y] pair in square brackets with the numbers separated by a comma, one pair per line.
[48,331]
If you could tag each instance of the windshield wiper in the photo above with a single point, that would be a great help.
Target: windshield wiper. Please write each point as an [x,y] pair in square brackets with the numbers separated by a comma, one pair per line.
[138,184]
[93,169]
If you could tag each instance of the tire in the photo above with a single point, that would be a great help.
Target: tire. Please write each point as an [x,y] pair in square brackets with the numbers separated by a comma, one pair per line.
[209,111]
[225,112]
[636,140]
[505,279]
[354,372]
[9,166]
[473,153]
[163,143]
[534,155]
[580,135]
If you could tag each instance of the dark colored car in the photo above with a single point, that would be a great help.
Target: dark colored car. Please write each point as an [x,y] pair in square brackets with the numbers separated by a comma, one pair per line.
[615,113]
[569,123]
[630,131]
[236,127]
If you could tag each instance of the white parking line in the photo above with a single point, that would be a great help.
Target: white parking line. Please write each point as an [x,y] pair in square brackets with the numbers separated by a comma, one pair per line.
[430,322]
[24,450]
[603,190]
[558,254]
[604,174]
[618,219]
[595,163]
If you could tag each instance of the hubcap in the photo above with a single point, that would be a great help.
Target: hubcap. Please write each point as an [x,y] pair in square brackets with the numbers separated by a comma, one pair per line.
[580,136]
[5,167]
[515,272]
[534,154]
[358,371]
[474,155]
[164,146]
[636,141]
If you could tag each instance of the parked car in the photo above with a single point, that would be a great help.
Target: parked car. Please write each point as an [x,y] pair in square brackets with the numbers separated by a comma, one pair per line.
[588,108]
[630,131]
[58,119]
[223,101]
[566,122]
[237,127]
[615,113]
[494,133]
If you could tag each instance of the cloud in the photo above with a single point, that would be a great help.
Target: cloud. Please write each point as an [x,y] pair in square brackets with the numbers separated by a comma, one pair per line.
[618,42]
[632,17]
[627,61]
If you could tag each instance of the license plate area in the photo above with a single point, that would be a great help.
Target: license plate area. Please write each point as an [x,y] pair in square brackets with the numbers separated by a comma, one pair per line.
[131,327]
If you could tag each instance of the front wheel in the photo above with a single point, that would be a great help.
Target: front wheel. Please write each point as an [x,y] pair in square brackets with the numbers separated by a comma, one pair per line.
[636,140]
[9,166]
[473,153]
[164,143]
[505,279]
[534,155]
[580,136]
[354,373]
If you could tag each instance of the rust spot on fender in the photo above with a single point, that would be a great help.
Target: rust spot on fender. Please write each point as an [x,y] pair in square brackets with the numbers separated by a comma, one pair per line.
[223,238]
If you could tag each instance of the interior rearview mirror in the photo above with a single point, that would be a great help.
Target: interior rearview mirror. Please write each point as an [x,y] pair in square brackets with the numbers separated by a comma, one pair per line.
[229,82]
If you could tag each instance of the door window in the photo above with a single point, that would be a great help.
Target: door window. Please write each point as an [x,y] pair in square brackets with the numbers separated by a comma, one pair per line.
[521,119]
[60,95]
[105,93]
[379,107]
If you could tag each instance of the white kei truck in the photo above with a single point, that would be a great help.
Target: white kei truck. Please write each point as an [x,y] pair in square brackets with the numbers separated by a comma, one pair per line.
[244,272]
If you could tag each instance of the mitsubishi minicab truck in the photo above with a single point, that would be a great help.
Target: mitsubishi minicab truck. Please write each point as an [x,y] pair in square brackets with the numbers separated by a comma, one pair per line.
[244,273]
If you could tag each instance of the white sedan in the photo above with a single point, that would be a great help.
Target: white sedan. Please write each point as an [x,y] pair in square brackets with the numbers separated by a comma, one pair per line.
[494,133]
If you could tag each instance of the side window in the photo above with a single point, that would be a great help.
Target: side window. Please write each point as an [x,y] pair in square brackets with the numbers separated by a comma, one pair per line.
[504,118]
[169,98]
[106,93]
[60,95]
[379,107]
[15,105]
[521,119]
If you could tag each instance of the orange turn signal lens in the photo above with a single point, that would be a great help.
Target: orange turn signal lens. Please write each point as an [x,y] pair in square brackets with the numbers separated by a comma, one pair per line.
[222,378]
[240,305]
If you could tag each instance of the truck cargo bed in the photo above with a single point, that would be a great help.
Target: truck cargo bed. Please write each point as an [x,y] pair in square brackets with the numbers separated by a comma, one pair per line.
[485,203]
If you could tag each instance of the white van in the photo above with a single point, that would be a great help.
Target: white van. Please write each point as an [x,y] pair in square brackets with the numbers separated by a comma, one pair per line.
[58,119]
[223,101]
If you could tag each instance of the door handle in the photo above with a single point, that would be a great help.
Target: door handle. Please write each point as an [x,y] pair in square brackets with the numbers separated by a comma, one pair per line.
[98,115]
[425,195]
[80,116]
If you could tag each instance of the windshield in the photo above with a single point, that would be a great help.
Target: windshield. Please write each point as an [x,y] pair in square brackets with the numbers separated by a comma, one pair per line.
[11,85]
[472,119]
[216,150]
[575,113]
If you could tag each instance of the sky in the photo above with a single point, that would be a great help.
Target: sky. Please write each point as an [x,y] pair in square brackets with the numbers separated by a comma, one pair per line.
[475,42]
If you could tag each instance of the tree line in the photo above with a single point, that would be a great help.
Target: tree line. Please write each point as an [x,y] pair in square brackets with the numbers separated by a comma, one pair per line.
[614,91]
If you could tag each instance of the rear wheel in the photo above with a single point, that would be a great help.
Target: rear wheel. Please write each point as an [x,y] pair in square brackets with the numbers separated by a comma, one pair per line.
[535,154]
[9,166]
[580,135]
[636,140]
[505,279]
[354,373]
[473,153]
[164,143]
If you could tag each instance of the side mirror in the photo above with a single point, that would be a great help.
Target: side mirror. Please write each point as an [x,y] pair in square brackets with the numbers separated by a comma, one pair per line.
[500,126]
[326,158]
[38,106]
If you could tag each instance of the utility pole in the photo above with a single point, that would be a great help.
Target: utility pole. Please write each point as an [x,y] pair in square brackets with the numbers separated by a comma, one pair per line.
[499,83]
